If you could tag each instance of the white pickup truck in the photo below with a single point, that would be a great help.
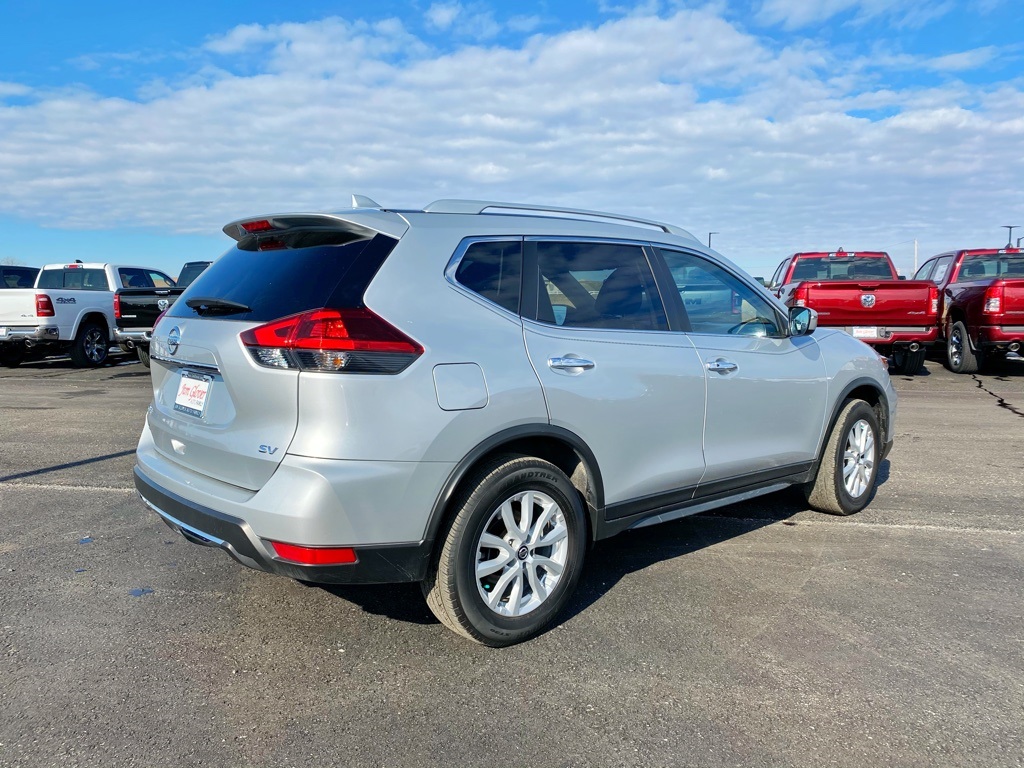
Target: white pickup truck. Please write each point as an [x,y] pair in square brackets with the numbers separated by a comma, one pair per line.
[71,309]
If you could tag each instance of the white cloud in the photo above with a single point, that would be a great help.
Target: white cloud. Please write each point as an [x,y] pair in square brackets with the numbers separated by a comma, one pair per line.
[442,15]
[13,89]
[685,118]
[797,14]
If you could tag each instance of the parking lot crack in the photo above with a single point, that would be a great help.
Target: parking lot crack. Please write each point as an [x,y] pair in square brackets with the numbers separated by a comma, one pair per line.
[1000,401]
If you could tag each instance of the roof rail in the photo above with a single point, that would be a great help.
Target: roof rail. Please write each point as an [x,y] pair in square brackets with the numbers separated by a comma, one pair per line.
[484,206]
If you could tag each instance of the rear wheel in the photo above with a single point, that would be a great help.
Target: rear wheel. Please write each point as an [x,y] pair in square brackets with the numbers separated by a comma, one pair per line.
[11,356]
[849,465]
[960,358]
[143,355]
[907,363]
[512,555]
[89,349]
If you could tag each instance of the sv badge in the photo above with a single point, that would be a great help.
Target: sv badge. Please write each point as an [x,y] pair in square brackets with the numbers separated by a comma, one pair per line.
[268,449]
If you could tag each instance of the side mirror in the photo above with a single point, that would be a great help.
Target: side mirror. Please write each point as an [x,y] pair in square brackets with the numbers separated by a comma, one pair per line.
[903,277]
[802,321]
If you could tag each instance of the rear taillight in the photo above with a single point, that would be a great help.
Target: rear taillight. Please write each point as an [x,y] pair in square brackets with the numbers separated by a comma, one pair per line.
[158,319]
[933,296]
[315,555]
[44,307]
[117,307]
[800,295]
[994,299]
[332,341]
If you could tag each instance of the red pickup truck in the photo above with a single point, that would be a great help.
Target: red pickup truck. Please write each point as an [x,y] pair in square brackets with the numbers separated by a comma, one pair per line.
[862,293]
[982,315]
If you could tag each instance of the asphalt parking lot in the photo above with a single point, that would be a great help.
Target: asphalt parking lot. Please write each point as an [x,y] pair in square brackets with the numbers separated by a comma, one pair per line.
[765,635]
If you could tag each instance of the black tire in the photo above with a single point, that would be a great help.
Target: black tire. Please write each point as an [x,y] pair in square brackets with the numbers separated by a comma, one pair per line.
[829,492]
[11,356]
[143,355]
[454,588]
[960,358]
[907,363]
[90,347]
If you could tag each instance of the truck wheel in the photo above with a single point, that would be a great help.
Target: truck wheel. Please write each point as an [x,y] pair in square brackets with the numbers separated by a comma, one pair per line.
[960,358]
[512,555]
[89,349]
[11,356]
[907,363]
[849,464]
[143,355]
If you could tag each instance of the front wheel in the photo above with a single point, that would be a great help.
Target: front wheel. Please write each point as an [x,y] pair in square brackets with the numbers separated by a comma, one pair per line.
[849,464]
[512,555]
[960,358]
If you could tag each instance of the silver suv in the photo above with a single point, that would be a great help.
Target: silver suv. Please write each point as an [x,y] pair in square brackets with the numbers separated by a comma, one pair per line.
[470,394]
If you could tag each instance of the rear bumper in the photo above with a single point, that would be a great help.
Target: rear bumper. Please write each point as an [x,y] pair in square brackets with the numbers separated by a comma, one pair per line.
[202,525]
[136,336]
[33,333]
[893,335]
[1000,334]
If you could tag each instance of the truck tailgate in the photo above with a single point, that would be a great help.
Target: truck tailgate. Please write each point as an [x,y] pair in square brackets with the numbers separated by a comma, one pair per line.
[886,302]
[18,307]
[1013,298]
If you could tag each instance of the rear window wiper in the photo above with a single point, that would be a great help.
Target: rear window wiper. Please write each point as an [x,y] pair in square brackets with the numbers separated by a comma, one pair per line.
[204,305]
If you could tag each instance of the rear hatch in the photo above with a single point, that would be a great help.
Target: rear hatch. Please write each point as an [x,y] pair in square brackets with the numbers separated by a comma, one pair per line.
[880,303]
[225,380]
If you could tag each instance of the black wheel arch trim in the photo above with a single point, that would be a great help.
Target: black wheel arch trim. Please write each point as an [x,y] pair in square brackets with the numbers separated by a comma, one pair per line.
[505,437]
[837,409]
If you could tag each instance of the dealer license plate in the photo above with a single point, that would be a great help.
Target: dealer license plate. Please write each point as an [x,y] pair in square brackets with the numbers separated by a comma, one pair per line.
[193,392]
[865,332]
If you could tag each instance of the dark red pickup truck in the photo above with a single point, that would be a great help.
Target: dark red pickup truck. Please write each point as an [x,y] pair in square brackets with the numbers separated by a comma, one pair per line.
[982,314]
[862,293]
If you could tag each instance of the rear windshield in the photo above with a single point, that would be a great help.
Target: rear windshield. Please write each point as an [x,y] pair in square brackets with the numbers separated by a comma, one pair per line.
[190,272]
[282,281]
[79,279]
[18,277]
[985,267]
[824,268]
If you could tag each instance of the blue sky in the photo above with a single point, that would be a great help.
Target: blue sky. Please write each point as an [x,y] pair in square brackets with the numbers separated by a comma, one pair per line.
[784,125]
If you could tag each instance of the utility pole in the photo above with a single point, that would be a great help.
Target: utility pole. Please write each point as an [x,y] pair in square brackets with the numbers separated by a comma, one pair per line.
[915,257]
[1009,238]
[709,237]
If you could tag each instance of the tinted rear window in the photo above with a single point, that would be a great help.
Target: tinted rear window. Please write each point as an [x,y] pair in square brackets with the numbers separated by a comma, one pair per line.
[823,268]
[18,277]
[80,279]
[190,272]
[280,282]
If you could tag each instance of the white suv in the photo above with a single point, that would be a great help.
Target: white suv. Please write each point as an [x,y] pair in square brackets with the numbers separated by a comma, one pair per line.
[470,394]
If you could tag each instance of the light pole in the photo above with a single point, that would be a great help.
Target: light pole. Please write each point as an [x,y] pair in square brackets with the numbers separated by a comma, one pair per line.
[1009,238]
[1018,241]
[709,237]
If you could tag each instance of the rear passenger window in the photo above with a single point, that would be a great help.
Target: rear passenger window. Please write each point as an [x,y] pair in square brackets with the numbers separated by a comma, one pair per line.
[493,269]
[597,285]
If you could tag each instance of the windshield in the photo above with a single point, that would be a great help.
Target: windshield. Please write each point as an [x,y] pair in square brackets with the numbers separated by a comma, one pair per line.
[825,268]
[991,266]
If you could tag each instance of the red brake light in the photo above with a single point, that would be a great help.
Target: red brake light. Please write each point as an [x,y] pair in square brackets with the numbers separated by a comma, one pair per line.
[315,555]
[44,307]
[933,295]
[117,307]
[261,225]
[332,340]
[994,298]
[800,295]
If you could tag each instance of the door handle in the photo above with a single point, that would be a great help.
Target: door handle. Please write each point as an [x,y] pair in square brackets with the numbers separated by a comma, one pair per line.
[721,366]
[569,362]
